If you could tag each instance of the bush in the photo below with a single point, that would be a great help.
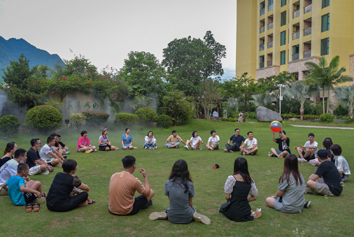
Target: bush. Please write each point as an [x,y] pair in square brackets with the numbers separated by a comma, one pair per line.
[9,125]
[95,118]
[229,119]
[340,111]
[326,118]
[43,117]
[291,115]
[77,119]
[164,121]
[348,120]
[146,114]
[127,118]
[311,117]
[250,115]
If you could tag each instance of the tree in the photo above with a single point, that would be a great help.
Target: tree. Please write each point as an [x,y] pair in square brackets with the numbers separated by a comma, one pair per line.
[264,99]
[300,91]
[326,75]
[246,87]
[345,95]
[210,95]
[177,107]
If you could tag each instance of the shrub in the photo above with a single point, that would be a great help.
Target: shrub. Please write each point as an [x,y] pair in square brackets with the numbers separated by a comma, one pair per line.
[229,119]
[43,117]
[250,115]
[146,114]
[340,111]
[164,121]
[311,117]
[95,118]
[127,118]
[9,125]
[348,120]
[77,119]
[326,118]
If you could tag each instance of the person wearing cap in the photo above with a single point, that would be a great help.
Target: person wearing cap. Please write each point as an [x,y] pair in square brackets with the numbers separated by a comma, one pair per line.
[326,180]
[213,142]
[283,145]
[311,147]
[103,143]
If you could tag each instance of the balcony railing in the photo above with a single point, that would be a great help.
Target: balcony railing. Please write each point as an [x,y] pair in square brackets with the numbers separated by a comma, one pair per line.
[296,14]
[270,7]
[307,53]
[296,35]
[269,63]
[295,56]
[262,11]
[308,8]
[262,29]
[270,44]
[261,47]
[270,26]
[307,31]
[261,65]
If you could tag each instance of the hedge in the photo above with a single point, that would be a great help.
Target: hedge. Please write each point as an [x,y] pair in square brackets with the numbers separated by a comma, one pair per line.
[146,114]
[95,118]
[9,125]
[77,119]
[127,118]
[229,119]
[43,117]
[164,121]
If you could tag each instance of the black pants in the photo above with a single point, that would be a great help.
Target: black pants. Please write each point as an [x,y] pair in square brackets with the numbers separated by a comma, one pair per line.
[70,203]
[141,202]
[233,147]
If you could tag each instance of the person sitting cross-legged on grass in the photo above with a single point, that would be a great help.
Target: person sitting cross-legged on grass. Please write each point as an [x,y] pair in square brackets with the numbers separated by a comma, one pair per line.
[340,162]
[213,142]
[34,161]
[64,147]
[251,144]
[48,155]
[237,140]
[150,141]
[127,141]
[240,190]
[311,147]
[59,198]
[57,148]
[326,181]
[84,145]
[104,143]
[283,144]
[122,188]
[180,191]
[290,195]
[194,142]
[9,152]
[326,145]
[174,140]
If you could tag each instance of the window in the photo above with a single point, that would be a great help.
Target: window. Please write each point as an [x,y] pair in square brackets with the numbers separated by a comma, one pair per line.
[325,23]
[283,38]
[270,5]
[261,62]
[262,8]
[295,52]
[324,46]
[282,57]
[283,18]
[283,3]
[325,3]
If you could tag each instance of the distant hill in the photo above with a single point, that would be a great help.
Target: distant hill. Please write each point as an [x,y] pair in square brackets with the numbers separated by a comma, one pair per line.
[11,49]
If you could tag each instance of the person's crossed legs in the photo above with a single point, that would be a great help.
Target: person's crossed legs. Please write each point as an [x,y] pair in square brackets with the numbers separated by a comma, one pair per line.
[279,154]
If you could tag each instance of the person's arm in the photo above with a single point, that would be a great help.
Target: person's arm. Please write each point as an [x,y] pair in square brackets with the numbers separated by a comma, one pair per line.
[4,186]
[84,187]
[29,190]
[146,193]
[278,194]
[313,177]
[274,138]
[227,197]
[190,201]
[242,146]
[182,141]
[253,192]
[100,142]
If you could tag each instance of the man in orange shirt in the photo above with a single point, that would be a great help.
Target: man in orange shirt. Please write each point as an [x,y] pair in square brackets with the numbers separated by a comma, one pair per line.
[122,189]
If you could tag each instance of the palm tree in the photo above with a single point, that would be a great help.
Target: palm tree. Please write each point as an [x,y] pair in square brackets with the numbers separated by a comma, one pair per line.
[326,75]
[345,95]
[300,91]
[264,99]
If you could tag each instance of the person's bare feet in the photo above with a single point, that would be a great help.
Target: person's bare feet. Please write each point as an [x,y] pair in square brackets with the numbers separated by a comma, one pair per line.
[231,151]
[225,150]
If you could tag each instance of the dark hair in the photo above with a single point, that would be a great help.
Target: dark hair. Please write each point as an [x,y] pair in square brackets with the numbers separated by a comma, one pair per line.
[249,132]
[49,139]
[241,168]
[330,140]
[237,129]
[9,146]
[193,133]
[311,134]
[83,132]
[58,135]
[173,131]
[150,132]
[20,152]
[69,165]
[322,154]
[282,131]
[53,134]
[180,170]
[291,167]
[22,167]
[128,161]
[212,131]
[327,144]
[34,141]
[105,129]
[336,149]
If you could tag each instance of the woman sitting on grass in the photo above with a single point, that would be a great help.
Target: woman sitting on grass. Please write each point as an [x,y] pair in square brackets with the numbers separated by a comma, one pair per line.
[237,188]
[84,145]
[150,141]
[194,142]
[180,191]
[9,152]
[104,143]
[127,140]
[290,195]
[59,199]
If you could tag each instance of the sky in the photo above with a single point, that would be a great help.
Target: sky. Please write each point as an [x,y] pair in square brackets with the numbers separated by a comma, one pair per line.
[105,31]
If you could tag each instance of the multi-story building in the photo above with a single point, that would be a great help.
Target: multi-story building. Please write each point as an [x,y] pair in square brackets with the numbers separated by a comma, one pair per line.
[282,35]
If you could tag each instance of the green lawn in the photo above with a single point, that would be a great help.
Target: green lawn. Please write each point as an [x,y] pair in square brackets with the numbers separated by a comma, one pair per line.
[325,216]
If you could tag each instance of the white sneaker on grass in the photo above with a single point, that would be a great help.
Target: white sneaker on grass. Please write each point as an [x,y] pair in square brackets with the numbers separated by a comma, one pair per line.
[186,147]
[203,219]
[158,216]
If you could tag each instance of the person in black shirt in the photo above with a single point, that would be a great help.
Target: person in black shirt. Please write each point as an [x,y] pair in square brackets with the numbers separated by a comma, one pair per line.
[326,180]
[283,145]
[34,161]
[64,147]
[237,140]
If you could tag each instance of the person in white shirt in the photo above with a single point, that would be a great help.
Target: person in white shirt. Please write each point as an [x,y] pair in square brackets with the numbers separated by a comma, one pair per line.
[251,144]
[340,162]
[311,147]
[150,141]
[48,155]
[213,142]
[215,114]
[194,142]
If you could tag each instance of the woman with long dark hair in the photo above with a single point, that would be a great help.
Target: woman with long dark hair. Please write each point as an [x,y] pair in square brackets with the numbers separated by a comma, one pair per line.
[180,191]
[150,141]
[9,152]
[240,189]
[290,195]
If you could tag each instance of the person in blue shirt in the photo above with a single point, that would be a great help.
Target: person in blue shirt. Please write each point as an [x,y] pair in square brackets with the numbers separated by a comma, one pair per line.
[237,140]
[127,140]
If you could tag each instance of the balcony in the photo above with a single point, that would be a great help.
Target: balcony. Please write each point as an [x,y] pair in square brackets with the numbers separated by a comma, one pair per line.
[270,26]
[270,7]
[262,11]
[296,14]
[308,9]
[295,56]
[270,45]
[307,53]
[262,29]
[261,47]
[261,65]
[296,35]
[269,63]
[307,31]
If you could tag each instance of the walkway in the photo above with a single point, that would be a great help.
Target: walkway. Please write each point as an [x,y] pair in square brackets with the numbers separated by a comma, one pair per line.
[308,126]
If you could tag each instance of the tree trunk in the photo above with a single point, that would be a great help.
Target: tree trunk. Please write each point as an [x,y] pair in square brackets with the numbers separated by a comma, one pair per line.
[245,103]
[302,111]
[328,101]
[351,107]
[323,102]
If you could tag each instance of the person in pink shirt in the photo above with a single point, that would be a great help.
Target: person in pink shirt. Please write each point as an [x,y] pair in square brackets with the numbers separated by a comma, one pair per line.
[84,145]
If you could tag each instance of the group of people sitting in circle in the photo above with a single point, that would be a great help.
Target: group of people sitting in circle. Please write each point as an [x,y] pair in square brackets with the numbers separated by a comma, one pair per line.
[67,192]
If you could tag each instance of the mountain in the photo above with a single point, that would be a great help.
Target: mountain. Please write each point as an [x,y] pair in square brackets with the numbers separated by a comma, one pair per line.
[12,48]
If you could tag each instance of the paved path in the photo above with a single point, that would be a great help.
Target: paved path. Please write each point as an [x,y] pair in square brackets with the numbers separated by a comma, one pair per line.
[308,126]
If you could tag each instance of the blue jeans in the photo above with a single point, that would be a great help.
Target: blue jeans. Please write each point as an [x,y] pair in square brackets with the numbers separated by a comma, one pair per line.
[149,146]
[173,143]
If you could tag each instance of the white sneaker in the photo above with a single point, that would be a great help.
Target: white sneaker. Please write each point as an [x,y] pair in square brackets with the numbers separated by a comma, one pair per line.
[158,216]
[203,219]
[146,148]
[302,160]
[186,147]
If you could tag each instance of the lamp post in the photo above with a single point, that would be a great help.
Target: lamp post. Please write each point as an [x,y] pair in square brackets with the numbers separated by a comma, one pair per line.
[280,96]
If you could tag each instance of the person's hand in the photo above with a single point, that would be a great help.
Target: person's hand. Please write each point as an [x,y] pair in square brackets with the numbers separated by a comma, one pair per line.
[38,194]
[109,143]
[50,168]
[27,179]
[164,145]
[87,189]
[143,172]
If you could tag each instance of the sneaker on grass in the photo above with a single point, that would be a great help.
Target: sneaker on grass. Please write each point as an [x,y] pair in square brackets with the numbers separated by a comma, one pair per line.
[307,204]
[158,216]
[201,218]
[186,147]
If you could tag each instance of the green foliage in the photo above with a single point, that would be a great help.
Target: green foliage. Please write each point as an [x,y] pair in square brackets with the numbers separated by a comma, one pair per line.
[164,121]
[95,118]
[340,111]
[146,114]
[127,118]
[54,103]
[77,119]
[177,107]
[43,117]
[326,118]
[348,120]
[9,125]
[250,115]
[229,119]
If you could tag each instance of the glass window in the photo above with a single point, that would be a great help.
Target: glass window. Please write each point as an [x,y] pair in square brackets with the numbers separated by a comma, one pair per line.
[324,46]
[325,23]
[283,18]
[261,62]
[262,8]
[270,5]
[283,3]
[325,3]
[283,38]
[282,57]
